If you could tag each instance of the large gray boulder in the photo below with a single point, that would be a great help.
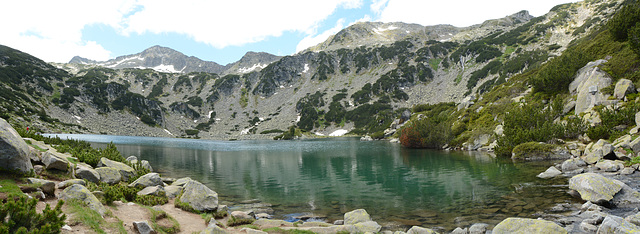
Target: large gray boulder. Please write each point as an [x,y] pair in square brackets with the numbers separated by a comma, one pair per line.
[478,228]
[125,170]
[368,227]
[14,152]
[594,187]
[598,151]
[199,197]
[109,175]
[623,87]
[587,85]
[152,190]
[609,165]
[82,194]
[356,216]
[181,182]
[85,171]
[522,225]
[616,225]
[47,186]
[67,183]
[55,160]
[173,191]
[150,179]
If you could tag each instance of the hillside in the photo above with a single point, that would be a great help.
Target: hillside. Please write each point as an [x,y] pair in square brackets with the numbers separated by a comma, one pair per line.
[359,80]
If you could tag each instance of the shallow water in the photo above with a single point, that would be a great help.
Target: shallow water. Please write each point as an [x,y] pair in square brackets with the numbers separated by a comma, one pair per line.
[399,187]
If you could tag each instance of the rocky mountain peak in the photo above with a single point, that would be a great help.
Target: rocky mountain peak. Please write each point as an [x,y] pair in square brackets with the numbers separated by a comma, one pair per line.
[251,61]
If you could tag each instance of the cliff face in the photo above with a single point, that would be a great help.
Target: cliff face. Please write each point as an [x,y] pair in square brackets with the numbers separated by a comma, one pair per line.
[359,79]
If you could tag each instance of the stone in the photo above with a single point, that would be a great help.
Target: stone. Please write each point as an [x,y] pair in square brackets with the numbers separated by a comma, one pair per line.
[272,223]
[199,197]
[146,165]
[627,197]
[150,179]
[263,216]
[523,225]
[14,152]
[252,231]
[181,182]
[594,187]
[622,142]
[568,107]
[67,183]
[125,171]
[368,226]
[589,206]
[131,159]
[34,155]
[87,173]
[549,173]
[627,171]
[587,227]
[66,227]
[338,222]
[609,166]
[634,219]
[478,228]
[143,227]
[47,186]
[623,87]
[587,84]
[109,175]
[459,230]
[366,138]
[82,194]
[213,230]
[172,191]
[420,230]
[38,169]
[153,190]
[241,215]
[573,164]
[635,145]
[356,216]
[55,160]
[614,224]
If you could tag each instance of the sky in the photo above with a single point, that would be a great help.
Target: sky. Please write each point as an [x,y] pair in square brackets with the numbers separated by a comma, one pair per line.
[220,30]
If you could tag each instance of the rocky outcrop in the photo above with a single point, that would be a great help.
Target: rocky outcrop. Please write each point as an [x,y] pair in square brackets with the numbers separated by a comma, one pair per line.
[14,152]
[55,160]
[150,179]
[587,85]
[623,87]
[199,197]
[109,175]
[82,194]
[522,225]
[125,171]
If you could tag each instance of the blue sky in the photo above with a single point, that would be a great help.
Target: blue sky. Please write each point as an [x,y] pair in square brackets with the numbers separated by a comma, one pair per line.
[220,31]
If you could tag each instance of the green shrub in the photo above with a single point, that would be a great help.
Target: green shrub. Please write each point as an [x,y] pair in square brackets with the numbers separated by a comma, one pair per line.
[540,150]
[20,216]
[634,38]
[271,131]
[151,200]
[625,19]
[233,221]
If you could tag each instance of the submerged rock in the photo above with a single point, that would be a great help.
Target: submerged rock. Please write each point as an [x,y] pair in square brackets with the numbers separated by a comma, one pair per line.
[522,225]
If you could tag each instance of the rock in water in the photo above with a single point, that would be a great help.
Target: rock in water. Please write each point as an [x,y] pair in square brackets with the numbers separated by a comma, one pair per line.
[594,187]
[14,152]
[82,194]
[550,173]
[199,197]
[522,225]
[150,179]
[356,216]
[615,225]
[125,171]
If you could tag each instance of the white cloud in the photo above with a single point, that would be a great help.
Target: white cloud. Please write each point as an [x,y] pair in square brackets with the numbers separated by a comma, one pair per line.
[52,30]
[459,13]
[312,40]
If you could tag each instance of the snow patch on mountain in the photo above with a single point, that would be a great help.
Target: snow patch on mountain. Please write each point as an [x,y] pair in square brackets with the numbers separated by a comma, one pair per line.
[250,69]
[380,30]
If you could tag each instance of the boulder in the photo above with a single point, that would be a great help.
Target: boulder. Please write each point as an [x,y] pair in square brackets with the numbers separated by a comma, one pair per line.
[627,171]
[627,197]
[146,165]
[573,164]
[143,227]
[199,197]
[35,155]
[109,175]
[594,187]
[623,87]
[635,145]
[478,228]
[84,171]
[153,190]
[634,219]
[420,230]
[55,160]
[523,225]
[587,85]
[609,166]
[550,173]
[150,179]
[499,130]
[368,227]
[38,169]
[67,183]
[47,186]
[460,230]
[213,230]
[125,171]
[614,224]
[181,182]
[252,231]
[82,194]
[131,159]
[241,215]
[172,191]
[14,152]
[356,216]
[622,142]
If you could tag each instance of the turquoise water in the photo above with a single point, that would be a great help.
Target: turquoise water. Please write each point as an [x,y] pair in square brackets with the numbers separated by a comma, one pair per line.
[328,177]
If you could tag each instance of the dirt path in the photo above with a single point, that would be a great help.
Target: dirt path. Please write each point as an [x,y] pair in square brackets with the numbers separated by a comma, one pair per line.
[189,222]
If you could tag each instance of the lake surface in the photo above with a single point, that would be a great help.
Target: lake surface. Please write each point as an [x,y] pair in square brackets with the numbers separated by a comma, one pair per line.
[399,187]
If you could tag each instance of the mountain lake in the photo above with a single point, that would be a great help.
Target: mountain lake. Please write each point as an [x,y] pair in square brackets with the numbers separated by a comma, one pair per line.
[399,187]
